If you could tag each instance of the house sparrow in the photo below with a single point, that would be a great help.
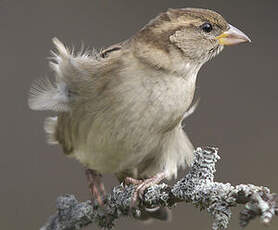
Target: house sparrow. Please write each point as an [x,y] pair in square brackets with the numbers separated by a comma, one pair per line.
[120,110]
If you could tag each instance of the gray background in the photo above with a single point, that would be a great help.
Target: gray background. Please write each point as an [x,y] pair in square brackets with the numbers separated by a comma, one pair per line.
[238,110]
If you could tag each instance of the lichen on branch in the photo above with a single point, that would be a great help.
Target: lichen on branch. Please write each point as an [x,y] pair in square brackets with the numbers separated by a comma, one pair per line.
[196,187]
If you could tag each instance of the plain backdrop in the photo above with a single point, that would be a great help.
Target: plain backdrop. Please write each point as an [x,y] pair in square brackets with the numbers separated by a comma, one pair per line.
[238,111]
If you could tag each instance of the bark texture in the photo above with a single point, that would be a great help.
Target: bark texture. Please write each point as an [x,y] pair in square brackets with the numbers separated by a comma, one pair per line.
[197,187]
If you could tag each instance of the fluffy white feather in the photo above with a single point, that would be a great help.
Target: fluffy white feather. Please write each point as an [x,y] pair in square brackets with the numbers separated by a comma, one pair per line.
[70,78]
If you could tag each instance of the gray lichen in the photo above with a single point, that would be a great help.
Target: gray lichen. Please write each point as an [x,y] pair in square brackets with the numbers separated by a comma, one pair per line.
[197,187]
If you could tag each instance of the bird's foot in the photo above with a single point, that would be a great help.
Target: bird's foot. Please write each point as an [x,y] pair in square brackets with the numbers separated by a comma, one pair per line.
[142,185]
[95,185]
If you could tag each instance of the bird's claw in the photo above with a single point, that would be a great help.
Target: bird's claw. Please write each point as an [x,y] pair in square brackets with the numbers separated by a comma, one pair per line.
[142,185]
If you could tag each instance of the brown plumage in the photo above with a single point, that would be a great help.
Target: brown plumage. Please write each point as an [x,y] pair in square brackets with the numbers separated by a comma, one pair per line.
[120,110]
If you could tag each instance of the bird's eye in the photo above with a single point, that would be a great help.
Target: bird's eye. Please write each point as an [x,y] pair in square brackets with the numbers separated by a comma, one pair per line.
[206,27]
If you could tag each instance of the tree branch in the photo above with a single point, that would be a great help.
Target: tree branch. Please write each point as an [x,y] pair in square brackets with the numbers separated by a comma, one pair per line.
[197,187]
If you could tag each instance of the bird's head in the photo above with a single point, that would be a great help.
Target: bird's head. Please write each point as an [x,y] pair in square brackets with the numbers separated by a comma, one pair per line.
[198,34]
[201,33]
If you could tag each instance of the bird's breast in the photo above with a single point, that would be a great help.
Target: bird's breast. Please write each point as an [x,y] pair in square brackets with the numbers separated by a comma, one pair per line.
[132,117]
[157,98]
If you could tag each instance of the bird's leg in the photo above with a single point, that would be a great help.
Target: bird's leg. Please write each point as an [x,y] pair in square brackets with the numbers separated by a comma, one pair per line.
[142,185]
[95,185]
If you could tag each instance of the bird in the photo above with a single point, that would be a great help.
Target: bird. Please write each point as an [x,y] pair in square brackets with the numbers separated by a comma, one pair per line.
[120,110]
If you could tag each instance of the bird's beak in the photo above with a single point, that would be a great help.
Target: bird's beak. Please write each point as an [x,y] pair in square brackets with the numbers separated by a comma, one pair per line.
[232,36]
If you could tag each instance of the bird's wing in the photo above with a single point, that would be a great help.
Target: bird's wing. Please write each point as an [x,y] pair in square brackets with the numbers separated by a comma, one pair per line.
[79,79]
[73,77]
